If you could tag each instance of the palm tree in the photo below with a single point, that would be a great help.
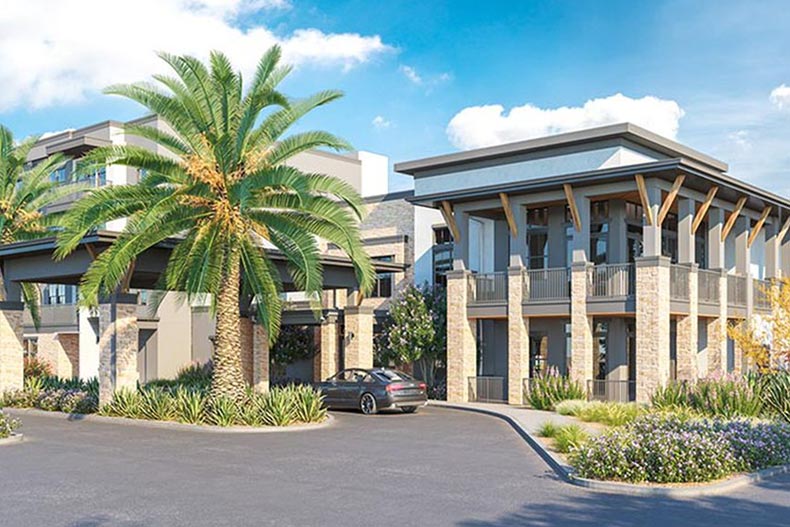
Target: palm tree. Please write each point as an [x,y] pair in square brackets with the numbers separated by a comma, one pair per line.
[224,194]
[24,191]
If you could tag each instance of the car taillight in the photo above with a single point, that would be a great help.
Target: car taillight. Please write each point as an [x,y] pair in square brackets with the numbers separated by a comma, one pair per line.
[394,387]
[422,386]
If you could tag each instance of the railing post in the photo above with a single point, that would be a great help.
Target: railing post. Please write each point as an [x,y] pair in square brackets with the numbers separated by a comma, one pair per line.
[518,335]
[652,325]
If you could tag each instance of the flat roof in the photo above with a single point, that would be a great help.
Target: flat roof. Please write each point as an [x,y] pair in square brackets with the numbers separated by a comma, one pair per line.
[628,131]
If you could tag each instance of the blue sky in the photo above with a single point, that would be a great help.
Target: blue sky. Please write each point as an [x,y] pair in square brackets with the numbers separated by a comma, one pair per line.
[429,77]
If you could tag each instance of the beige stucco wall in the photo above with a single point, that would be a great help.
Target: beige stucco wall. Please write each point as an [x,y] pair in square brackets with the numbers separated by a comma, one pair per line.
[174,336]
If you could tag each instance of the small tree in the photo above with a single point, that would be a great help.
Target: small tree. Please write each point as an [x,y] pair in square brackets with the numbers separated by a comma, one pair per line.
[415,332]
[765,340]
[294,343]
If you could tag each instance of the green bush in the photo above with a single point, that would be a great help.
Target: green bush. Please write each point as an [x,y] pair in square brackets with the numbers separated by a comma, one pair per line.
[570,407]
[729,396]
[157,405]
[190,405]
[7,425]
[35,367]
[569,437]
[195,376]
[549,388]
[223,411]
[664,448]
[53,394]
[548,429]
[775,388]
[609,413]
[125,403]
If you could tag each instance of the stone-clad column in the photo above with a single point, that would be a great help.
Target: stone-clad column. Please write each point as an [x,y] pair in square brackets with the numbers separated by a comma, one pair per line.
[461,338]
[11,350]
[716,350]
[581,325]
[652,325]
[687,332]
[118,346]
[517,336]
[743,264]
[260,359]
[327,361]
[359,337]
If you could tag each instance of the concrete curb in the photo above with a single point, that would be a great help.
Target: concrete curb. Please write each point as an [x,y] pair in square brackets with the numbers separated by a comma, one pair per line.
[171,425]
[566,473]
[12,439]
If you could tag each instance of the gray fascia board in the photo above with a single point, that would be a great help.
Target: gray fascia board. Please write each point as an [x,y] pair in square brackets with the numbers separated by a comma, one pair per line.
[627,131]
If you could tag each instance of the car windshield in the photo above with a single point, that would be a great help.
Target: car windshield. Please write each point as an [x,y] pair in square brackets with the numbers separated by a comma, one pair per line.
[394,376]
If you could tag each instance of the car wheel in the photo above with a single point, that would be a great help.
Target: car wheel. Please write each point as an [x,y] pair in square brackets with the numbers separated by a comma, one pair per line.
[367,403]
[409,409]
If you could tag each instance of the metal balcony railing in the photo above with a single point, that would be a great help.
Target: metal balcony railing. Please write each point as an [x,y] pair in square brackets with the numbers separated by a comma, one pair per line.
[708,286]
[762,289]
[547,284]
[612,280]
[736,290]
[679,282]
[616,391]
[487,389]
[488,288]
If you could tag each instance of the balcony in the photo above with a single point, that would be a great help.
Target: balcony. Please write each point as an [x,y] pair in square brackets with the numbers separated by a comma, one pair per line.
[488,288]
[541,285]
[59,317]
[762,294]
[612,281]
[679,282]
[736,290]
[708,287]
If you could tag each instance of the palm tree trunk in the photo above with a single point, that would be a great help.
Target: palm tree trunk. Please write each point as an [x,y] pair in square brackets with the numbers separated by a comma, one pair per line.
[228,380]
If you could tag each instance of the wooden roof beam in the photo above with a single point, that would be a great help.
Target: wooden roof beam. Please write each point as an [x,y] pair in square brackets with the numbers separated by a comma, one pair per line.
[732,217]
[758,226]
[703,210]
[642,188]
[673,194]
[577,223]
[449,219]
[511,220]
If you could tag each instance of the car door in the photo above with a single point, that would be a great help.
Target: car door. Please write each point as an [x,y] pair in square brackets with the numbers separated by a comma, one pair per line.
[332,390]
[352,386]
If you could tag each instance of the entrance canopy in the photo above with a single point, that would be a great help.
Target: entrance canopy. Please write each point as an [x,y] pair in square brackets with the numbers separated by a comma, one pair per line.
[32,261]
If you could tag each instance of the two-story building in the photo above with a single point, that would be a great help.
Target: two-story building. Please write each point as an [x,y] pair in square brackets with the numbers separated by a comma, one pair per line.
[613,254]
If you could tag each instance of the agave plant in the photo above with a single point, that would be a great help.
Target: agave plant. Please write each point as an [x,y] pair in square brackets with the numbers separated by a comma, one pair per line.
[222,192]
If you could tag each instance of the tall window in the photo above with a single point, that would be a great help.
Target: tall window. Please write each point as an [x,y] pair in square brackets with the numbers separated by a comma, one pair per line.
[599,350]
[538,238]
[669,237]
[701,246]
[442,255]
[58,294]
[634,215]
[61,175]
[383,285]
[599,232]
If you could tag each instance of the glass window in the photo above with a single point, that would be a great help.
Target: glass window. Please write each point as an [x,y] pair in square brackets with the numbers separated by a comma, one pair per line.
[669,237]
[60,175]
[600,335]
[599,232]
[383,285]
[442,255]
[537,238]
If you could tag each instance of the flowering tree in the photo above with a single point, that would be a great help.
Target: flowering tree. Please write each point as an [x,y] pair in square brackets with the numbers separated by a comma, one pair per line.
[416,330]
[765,340]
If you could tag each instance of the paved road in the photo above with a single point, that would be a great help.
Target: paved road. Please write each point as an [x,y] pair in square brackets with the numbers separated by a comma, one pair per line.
[439,467]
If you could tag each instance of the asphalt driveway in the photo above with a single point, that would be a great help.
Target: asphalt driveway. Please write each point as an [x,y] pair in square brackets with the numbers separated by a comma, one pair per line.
[439,467]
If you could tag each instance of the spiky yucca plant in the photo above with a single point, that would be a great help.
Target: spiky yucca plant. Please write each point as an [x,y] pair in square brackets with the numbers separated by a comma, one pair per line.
[224,193]
[24,191]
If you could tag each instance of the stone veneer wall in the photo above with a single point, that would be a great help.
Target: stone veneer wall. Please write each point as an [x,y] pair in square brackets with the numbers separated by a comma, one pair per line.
[461,339]
[358,350]
[581,326]
[652,325]
[126,331]
[11,350]
[61,351]
[254,355]
[688,335]
[518,337]
[716,352]
[326,361]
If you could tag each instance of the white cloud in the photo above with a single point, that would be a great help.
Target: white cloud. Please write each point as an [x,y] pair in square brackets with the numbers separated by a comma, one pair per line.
[780,97]
[62,50]
[380,123]
[741,139]
[411,74]
[478,126]
[57,132]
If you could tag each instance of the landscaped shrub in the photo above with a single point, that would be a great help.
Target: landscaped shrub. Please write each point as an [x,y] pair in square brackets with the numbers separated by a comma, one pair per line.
[7,425]
[729,396]
[190,405]
[664,448]
[52,394]
[125,403]
[35,367]
[195,376]
[549,388]
[570,407]
[569,437]
[609,413]
[157,405]
[548,429]
[775,388]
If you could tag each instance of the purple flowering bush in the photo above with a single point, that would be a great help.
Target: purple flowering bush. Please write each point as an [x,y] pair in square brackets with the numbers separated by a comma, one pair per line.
[666,448]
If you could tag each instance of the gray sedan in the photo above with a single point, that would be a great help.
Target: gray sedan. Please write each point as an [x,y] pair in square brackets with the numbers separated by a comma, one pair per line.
[373,390]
